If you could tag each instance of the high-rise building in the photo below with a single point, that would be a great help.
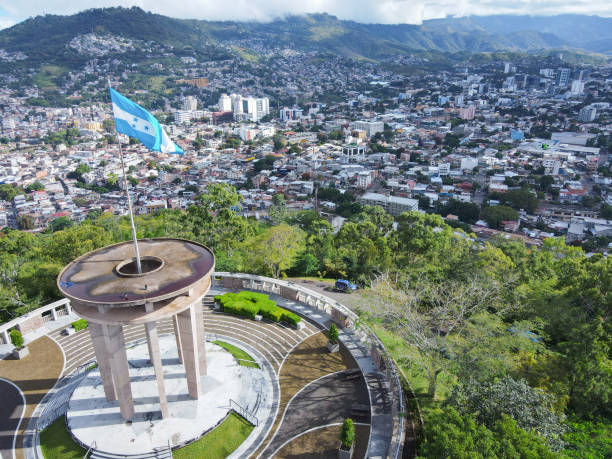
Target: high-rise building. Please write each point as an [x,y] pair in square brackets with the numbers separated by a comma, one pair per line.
[190,104]
[577,87]
[563,76]
[468,112]
[225,103]
[587,114]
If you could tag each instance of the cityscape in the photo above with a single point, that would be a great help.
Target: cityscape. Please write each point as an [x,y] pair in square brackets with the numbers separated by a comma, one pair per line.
[396,240]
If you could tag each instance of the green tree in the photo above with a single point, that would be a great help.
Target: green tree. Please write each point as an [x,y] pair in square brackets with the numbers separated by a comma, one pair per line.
[495,215]
[8,192]
[452,435]
[589,368]
[36,186]
[605,211]
[277,248]
[532,409]
[59,223]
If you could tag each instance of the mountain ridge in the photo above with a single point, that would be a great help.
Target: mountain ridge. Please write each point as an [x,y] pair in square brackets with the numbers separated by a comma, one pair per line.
[42,37]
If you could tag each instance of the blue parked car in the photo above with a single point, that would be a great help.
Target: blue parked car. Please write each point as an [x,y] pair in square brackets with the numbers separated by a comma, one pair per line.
[345,286]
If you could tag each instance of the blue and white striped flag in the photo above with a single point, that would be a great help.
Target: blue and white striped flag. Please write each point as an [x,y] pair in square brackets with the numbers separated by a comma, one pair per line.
[134,121]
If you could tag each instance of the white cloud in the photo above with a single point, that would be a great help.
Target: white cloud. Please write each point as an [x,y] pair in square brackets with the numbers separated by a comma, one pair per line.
[6,22]
[382,11]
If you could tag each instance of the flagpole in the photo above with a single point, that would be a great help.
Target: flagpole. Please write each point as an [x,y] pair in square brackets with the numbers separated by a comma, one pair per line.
[129,200]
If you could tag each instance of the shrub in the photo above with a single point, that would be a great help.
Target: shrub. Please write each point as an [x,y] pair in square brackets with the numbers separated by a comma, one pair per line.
[16,338]
[291,318]
[249,304]
[79,325]
[333,333]
[347,436]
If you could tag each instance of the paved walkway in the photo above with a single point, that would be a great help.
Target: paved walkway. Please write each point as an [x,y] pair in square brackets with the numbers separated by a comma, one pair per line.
[35,375]
[382,423]
[11,411]
[327,400]
[323,444]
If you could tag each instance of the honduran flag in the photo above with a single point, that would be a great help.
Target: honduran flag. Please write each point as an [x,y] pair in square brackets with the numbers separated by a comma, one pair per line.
[134,121]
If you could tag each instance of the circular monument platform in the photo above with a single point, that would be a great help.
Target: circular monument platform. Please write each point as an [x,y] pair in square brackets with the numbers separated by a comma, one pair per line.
[108,276]
[91,417]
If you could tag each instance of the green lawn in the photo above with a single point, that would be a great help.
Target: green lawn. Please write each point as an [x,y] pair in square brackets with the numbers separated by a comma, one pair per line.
[56,442]
[398,349]
[45,78]
[220,442]
[243,358]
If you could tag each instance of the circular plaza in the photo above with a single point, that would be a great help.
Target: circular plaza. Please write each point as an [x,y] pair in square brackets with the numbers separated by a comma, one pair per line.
[286,394]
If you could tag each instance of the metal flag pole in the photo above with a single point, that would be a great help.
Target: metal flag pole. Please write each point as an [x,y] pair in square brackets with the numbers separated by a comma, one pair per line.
[129,200]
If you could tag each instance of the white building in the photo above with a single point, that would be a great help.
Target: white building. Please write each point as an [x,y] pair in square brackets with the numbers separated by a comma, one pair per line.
[352,152]
[587,114]
[225,103]
[577,87]
[190,104]
[468,163]
[393,205]
[182,117]
[370,127]
[551,166]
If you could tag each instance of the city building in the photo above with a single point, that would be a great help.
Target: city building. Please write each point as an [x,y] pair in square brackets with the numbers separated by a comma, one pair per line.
[563,76]
[587,114]
[225,103]
[190,104]
[393,205]
[370,127]
[468,112]
[352,152]
[182,117]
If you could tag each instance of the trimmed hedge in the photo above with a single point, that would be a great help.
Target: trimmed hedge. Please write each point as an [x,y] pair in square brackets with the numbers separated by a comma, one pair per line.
[249,304]
[79,325]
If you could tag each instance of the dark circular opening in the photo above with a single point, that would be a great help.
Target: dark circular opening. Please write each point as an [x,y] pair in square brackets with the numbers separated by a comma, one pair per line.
[148,265]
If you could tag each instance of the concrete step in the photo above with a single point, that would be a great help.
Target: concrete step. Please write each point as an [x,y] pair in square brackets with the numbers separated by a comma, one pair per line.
[165,453]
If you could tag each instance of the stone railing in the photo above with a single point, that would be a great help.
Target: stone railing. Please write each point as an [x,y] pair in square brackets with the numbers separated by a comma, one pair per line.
[345,318]
[34,320]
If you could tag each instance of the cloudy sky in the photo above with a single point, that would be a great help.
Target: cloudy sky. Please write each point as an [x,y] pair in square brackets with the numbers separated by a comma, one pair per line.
[382,11]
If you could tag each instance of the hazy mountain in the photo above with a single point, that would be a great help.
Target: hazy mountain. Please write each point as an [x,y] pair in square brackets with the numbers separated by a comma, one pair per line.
[46,37]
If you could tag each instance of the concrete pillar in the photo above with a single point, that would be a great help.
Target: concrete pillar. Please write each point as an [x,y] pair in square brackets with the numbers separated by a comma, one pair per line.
[115,345]
[54,314]
[155,357]
[177,335]
[201,336]
[5,337]
[187,322]
[68,308]
[252,286]
[104,359]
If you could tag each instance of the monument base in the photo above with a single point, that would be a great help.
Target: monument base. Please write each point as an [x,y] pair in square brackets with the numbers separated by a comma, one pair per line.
[91,417]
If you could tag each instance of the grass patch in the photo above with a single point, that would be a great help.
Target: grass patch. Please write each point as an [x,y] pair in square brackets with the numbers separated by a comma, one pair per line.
[327,280]
[56,442]
[246,54]
[45,79]
[220,442]
[238,354]
[399,351]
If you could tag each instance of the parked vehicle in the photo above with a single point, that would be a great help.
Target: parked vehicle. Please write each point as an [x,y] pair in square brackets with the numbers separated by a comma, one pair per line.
[345,286]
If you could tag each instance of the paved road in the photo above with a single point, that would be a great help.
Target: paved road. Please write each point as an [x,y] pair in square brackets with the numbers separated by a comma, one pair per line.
[11,410]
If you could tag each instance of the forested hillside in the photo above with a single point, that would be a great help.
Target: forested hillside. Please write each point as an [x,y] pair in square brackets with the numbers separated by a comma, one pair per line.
[507,347]
[45,39]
